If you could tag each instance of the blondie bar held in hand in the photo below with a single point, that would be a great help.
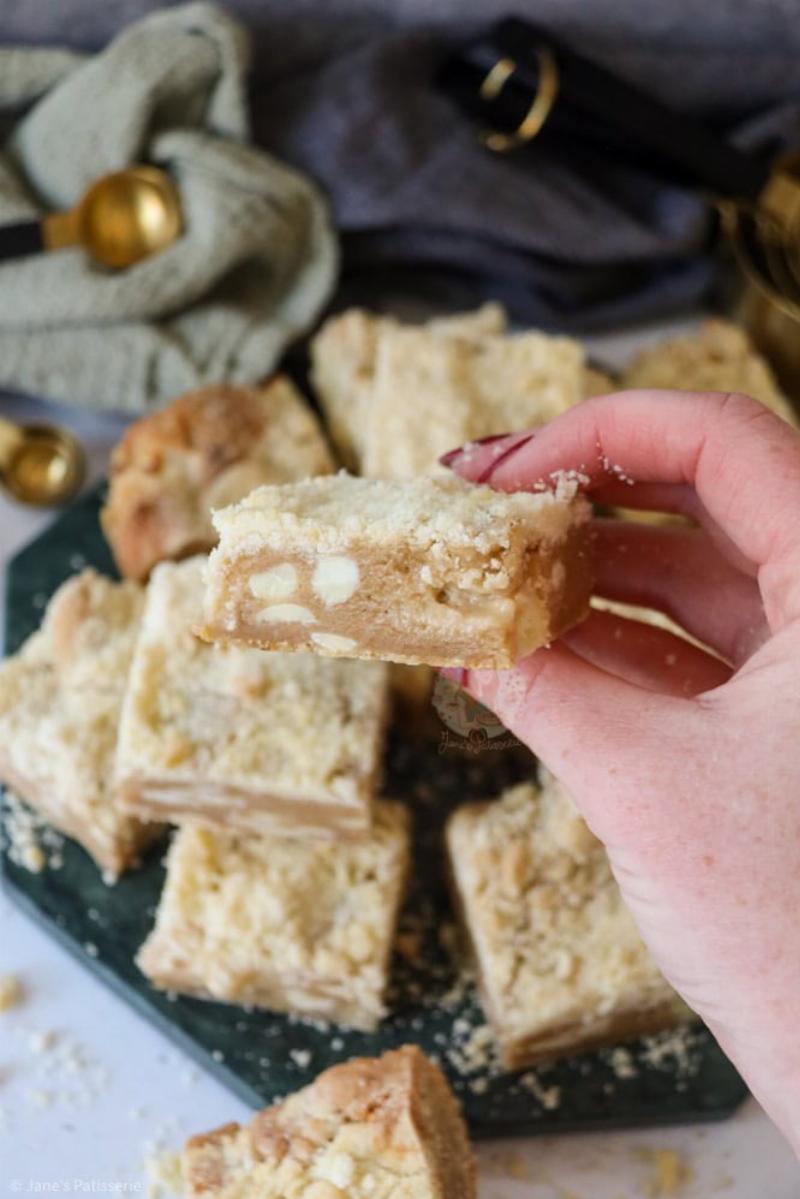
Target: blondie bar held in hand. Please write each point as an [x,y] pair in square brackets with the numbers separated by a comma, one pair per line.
[371,1128]
[561,964]
[301,926]
[269,743]
[416,570]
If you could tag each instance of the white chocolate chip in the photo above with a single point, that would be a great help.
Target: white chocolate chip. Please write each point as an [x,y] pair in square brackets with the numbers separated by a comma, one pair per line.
[335,579]
[336,1168]
[323,1190]
[287,612]
[277,583]
[333,642]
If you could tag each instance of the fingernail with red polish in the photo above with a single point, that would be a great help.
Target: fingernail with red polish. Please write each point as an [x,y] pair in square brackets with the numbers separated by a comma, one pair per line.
[489,440]
[450,457]
[487,473]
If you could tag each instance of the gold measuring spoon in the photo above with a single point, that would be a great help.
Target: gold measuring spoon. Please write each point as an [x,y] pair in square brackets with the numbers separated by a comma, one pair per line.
[40,465]
[123,217]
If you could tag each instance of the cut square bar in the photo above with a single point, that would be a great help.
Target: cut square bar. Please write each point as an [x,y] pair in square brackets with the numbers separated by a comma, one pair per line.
[371,1128]
[271,743]
[718,357]
[431,394]
[561,965]
[60,701]
[343,362]
[206,449]
[294,926]
[418,570]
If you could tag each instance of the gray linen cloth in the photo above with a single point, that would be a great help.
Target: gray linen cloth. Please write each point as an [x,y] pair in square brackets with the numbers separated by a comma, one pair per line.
[254,266]
[341,88]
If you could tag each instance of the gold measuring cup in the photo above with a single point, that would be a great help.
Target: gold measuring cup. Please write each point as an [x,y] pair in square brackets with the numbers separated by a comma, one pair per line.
[766,242]
[41,465]
[123,217]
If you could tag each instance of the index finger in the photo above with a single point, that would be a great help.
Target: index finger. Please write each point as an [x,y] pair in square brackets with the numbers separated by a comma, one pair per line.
[741,459]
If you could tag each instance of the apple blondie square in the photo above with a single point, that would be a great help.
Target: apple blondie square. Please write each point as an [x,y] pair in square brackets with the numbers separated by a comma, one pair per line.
[343,356]
[301,926]
[718,357]
[561,965]
[432,394]
[431,570]
[206,449]
[60,702]
[371,1128]
[243,739]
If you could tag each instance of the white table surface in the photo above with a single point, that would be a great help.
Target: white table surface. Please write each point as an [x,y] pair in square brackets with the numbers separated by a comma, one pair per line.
[78,1115]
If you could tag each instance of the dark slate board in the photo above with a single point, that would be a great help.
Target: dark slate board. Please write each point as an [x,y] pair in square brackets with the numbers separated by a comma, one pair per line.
[262,1056]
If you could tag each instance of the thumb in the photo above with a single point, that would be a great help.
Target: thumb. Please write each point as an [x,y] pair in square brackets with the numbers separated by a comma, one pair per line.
[586,725]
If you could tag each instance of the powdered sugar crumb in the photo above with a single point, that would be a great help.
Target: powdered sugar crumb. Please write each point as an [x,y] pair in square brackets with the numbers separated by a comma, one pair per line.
[612,468]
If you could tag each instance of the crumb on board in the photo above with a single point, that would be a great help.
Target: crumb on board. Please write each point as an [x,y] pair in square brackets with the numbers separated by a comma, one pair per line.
[622,1063]
[675,1049]
[32,843]
[11,992]
[549,1097]
[21,826]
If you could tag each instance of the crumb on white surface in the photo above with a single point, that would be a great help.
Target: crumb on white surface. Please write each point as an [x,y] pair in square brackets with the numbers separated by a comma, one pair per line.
[41,1040]
[669,1172]
[11,992]
[164,1174]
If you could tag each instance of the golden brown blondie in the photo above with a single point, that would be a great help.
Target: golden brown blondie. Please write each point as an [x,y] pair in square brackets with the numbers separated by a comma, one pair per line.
[718,357]
[243,739]
[417,570]
[371,1128]
[60,701]
[432,394]
[343,361]
[302,926]
[206,449]
[560,961]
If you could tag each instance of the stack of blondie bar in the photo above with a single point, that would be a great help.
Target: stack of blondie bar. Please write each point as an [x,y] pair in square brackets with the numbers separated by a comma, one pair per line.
[288,865]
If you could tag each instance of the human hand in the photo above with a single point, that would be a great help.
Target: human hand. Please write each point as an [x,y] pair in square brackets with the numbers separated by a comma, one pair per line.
[686,767]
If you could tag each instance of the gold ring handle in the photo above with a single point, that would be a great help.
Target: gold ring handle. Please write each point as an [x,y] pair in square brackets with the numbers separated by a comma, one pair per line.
[541,105]
[496,78]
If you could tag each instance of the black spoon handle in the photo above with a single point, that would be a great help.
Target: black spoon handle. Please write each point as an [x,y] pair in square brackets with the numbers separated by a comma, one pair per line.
[594,105]
[17,241]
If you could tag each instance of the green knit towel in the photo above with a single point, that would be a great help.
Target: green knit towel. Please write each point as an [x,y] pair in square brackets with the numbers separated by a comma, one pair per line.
[258,257]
